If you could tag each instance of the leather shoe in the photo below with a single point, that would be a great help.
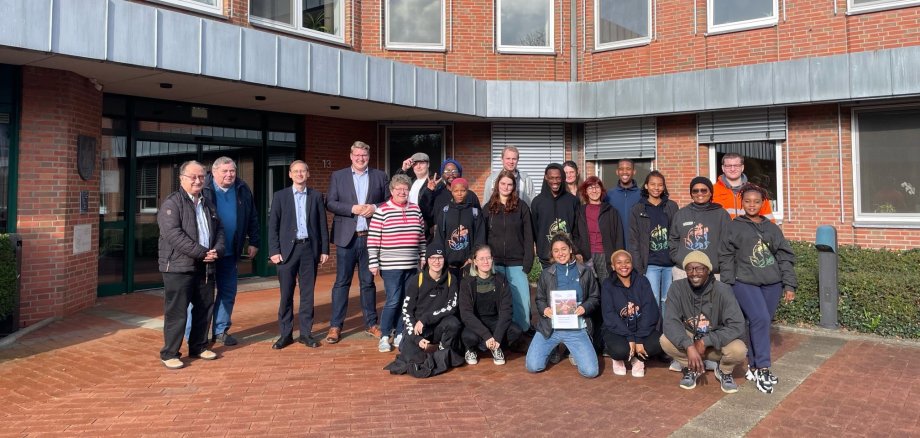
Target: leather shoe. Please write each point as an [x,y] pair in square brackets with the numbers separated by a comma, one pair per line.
[282,342]
[309,341]
[226,338]
[333,336]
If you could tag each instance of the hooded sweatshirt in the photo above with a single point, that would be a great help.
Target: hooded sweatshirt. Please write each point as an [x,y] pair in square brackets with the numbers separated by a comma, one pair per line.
[510,234]
[428,300]
[756,254]
[710,310]
[615,298]
[697,228]
[552,215]
[648,237]
[557,277]
[460,227]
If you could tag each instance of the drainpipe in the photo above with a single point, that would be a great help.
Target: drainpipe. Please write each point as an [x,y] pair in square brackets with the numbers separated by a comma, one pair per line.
[573,47]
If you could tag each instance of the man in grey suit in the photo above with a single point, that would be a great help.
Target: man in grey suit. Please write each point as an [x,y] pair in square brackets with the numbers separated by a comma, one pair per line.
[353,195]
[297,242]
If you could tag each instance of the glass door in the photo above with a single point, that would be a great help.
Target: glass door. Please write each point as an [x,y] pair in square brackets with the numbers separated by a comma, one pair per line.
[112,220]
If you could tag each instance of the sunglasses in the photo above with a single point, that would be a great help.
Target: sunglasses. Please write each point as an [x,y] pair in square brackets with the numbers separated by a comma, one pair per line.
[695,191]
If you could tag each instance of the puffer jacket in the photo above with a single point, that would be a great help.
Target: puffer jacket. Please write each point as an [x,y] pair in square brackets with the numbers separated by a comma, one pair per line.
[179,250]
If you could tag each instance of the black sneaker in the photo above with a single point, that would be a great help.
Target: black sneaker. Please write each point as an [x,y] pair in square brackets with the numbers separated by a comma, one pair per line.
[688,381]
[763,380]
[226,339]
[728,382]
[555,357]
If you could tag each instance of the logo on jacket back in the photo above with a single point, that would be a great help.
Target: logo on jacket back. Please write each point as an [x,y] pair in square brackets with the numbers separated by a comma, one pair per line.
[697,238]
[761,257]
[459,238]
[559,226]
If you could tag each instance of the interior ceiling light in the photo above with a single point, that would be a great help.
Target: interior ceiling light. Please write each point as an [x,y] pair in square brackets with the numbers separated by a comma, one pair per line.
[334,107]
[165,85]
[260,97]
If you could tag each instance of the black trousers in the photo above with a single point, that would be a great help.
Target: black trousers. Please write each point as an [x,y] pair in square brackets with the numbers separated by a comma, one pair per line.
[472,341]
[446,333]
[300,269]
[618,346]
[180,290]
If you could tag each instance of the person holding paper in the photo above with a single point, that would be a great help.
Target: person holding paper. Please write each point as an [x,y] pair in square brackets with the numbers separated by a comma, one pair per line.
[565,274]
[630,317]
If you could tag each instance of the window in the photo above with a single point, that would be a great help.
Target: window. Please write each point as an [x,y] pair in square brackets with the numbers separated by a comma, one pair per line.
[525,26]
[415,24]
[729,15]
[622,23]
[886,164]
[875,5]
[147,174]
[607,172]
[763,165]
[403,142]
[323,19]
[212,7]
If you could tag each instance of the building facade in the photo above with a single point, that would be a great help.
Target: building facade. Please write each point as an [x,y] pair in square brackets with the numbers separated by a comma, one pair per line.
[101,100]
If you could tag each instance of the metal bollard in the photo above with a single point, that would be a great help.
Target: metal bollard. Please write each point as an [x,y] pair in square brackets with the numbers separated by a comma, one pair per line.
[828,293]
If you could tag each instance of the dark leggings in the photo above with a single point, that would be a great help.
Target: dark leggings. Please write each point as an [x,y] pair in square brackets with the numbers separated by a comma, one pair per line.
[618,346]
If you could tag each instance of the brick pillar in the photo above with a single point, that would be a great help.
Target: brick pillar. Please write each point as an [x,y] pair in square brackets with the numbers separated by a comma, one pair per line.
[57,107]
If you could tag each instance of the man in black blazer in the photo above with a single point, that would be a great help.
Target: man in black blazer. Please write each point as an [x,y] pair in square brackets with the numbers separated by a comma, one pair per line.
[297,242]
[353,195]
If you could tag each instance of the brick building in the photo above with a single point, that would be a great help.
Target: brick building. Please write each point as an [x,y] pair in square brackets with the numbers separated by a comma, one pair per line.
[821,97]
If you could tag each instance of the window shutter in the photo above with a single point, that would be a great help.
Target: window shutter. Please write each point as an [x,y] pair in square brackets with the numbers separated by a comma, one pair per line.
[539,144]
[4,118]
[761,124]
[616,139]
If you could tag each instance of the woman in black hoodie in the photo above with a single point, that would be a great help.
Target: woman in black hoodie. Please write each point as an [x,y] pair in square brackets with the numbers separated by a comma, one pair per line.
[459,227]
[510,234]
[648,234]
[630,317]
[757,261]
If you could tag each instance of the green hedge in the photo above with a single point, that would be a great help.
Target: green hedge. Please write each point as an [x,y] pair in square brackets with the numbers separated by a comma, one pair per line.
[879,290]
[7,277]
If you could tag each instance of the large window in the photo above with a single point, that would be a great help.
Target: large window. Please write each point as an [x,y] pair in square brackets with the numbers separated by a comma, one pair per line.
[402,142]
[729,15]
[322,19]
[415,24]
[525,26]
[763,165]
[622,23]
[875,5]
[213,7]
[886,164]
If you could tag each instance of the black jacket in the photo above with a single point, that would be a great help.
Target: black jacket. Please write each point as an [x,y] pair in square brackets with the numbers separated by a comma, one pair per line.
[552,215]
[757,254]
[247,215]
[282,224]
[467,304]
[511,236]
[615,297]
[178,249]
[611,232]
[429,301]
[590,298]
[640,230]
[460,228]
[433,201]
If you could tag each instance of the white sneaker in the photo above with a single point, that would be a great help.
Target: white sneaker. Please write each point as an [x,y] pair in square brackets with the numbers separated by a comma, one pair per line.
[471,357]
[498,357]
[174,363]
[207,355]
[638,367]
[383,345]
[619,367]
[398,340]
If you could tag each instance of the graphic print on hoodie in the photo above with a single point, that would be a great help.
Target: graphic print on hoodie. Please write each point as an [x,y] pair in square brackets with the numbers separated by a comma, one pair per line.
[697,238]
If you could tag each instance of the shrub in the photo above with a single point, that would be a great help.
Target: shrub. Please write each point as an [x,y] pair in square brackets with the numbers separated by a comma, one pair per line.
[879,290]
[8,298]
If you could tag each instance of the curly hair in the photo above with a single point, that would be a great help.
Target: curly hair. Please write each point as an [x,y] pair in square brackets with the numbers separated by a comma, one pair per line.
[655,173]
[495,205]
[564,238]
[752,187]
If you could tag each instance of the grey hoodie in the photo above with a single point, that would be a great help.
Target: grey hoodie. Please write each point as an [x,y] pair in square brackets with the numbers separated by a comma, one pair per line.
[756,254]
[697,228]
[716,301]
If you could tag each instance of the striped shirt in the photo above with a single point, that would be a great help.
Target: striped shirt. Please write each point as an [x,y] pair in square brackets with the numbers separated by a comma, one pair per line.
[396,237]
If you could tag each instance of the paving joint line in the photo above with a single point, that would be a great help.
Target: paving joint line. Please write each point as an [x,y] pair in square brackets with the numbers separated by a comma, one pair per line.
[737,414]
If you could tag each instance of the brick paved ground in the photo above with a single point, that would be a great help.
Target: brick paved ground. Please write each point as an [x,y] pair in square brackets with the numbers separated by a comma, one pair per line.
[91,375]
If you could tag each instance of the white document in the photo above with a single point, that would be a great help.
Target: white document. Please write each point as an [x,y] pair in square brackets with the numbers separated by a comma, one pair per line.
[564,303]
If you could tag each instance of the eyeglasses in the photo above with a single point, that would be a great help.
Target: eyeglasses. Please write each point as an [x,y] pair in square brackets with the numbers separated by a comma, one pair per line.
[483,259]
[697,269]
[732,166]
[194,177]
[593,188]
[695,191]
[446,171]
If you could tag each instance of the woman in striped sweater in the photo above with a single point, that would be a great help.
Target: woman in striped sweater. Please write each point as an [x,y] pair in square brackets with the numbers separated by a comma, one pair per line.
[395,246]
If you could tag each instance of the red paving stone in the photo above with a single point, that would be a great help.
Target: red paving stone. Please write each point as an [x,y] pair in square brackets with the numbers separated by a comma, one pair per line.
[865,389]
[93,376]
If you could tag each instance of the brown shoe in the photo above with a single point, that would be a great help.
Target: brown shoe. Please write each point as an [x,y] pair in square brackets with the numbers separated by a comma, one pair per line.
[374,331]
[333,336]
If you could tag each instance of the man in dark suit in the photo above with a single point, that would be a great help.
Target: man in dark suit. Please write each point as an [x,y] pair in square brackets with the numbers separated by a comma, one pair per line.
[353,194]
[297,242]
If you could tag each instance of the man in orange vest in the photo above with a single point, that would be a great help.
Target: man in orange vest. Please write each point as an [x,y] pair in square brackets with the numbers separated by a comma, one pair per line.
[725,191]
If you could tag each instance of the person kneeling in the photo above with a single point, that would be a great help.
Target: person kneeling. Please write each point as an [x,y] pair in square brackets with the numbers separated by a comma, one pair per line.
[429,345]
[565,274]
[630,317]
[703,321]
[486,309]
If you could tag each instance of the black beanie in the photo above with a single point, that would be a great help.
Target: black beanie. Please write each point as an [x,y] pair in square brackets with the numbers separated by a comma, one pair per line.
[701,180]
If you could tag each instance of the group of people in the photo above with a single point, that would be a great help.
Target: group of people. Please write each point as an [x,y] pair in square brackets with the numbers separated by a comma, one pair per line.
[649,279]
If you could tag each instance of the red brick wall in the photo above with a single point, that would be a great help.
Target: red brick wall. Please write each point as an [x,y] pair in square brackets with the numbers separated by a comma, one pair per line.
[57,106]
[678,153]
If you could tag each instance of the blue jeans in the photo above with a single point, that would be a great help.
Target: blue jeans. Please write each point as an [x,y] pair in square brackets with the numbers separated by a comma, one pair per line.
[579,346]
[347,257]
[660,278]
[394,282]
[520,294]
[225,274]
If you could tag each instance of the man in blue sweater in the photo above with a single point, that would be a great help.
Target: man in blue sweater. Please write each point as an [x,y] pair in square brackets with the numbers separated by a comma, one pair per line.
[625,194]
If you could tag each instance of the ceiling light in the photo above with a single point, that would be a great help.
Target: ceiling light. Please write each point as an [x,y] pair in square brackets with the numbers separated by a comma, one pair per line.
[165,85]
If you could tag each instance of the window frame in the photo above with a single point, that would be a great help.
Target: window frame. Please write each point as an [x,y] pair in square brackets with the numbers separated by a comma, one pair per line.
[740,25]
[215,9]
[598,46]
[297,28]
[549,49]
[779,207]
[427,47]
[879,5]
[909,220]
